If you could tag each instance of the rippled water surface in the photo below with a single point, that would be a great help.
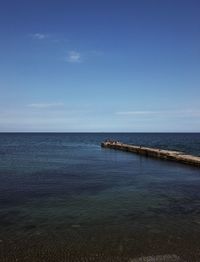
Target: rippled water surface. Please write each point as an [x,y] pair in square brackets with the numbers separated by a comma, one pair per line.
[62,195]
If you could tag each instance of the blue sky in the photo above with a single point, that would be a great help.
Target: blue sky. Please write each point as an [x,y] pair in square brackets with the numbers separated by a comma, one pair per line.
[91,65]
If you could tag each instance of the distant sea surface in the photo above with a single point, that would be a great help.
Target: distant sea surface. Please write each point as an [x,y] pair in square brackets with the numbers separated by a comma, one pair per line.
[63,196]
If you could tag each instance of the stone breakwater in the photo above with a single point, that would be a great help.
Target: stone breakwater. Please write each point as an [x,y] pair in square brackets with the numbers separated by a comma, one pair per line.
[154,152]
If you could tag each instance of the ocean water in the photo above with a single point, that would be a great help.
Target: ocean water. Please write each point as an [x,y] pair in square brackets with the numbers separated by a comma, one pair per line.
[64,198]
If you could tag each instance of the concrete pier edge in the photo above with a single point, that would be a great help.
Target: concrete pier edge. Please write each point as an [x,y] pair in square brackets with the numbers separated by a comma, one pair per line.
[176,156]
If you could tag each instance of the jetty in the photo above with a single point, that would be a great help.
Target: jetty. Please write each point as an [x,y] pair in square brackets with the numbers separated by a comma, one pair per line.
[154,152]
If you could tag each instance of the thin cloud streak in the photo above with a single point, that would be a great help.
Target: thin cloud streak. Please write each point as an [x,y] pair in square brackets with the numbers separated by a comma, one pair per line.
[136,112]
[180,113]
[46,105]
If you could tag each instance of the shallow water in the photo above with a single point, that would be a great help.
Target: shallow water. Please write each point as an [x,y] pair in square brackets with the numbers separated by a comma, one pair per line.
[63,197]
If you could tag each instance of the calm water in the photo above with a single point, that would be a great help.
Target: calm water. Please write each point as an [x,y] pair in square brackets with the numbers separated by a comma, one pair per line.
[62,196]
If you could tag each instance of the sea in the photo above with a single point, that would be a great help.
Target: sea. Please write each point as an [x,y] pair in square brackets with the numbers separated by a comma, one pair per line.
[64,198]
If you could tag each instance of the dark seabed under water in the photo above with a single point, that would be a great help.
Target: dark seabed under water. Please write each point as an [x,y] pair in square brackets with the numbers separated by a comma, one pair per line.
[64,198]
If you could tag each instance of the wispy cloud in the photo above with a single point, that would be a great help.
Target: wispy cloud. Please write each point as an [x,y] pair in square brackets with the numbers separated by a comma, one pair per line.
[73,57]
[39,36]
[45,105]
[175,113]
[137,112]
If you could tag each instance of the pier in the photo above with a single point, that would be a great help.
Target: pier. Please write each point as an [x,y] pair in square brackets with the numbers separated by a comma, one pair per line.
[176,156]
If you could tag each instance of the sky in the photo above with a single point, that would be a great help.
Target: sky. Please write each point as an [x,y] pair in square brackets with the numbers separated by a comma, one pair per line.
[100,66]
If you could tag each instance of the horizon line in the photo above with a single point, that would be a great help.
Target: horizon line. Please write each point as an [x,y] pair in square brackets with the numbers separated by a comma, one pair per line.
[100,132]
